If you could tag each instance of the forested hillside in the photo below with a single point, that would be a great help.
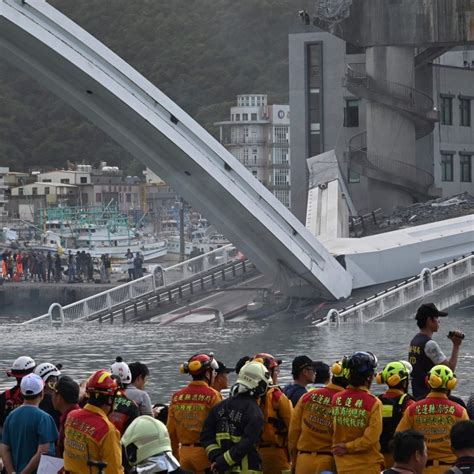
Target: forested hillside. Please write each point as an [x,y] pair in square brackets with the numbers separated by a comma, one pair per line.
[201,53]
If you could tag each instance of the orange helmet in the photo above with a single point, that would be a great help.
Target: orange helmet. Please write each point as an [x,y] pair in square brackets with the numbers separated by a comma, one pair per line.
[198,364]
[267,360]
[102,382]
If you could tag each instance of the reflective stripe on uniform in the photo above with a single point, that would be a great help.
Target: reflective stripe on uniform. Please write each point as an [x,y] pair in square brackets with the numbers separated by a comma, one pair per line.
[212,447]
[228,458]
[228,437]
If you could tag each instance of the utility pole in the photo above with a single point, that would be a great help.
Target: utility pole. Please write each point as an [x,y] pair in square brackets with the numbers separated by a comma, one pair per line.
[182,253]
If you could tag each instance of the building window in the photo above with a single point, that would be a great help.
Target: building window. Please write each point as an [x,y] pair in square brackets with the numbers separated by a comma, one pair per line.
[447,165]
[246,134]
[64,181]
[83,179]
[353,49]
[313,87]
[20,192]
[46,190]
[465,112]
[237,117]
[245,117]
[281,134]
[98,197]
[466,168]
[128,197]
[46,181]
[254,117]
[35,191]
[246,156]
[280,156]
[280,177]
[351,113]
[354,177]
[446,110]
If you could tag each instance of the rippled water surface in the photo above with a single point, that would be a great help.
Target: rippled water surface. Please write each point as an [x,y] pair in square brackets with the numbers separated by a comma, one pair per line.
[85,348]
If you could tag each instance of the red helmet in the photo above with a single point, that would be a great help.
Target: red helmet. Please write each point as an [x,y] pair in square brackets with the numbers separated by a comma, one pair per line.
[102,382]
[267,360]
[198,364]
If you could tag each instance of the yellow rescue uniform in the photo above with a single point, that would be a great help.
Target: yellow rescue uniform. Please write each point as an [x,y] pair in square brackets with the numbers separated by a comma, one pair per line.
[357,422]
[310,435]
[90,436]
[273,448]
[434,416]
[187,412]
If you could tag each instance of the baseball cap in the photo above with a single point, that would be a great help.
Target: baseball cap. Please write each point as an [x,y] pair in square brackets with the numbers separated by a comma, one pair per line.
[299,363]
[67,388]
[428,310]
[31,384]
[223,369]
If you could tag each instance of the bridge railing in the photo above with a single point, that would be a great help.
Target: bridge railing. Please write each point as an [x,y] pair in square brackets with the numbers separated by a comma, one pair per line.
[416,288]
[108,300]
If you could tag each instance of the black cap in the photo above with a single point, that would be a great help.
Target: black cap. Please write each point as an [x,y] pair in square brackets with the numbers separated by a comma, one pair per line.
[68,389]
[322,371]
[299,363]
[223,369]
[429,310]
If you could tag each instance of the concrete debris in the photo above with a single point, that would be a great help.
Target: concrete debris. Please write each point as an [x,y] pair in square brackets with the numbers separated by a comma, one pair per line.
[416,214]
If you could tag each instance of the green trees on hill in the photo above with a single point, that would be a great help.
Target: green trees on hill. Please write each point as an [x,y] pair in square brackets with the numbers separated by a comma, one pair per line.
[200,53]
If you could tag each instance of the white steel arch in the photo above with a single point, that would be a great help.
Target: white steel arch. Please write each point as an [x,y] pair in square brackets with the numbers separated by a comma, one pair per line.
[75,66]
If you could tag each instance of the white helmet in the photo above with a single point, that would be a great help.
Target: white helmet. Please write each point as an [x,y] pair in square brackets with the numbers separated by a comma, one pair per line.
[46,370]
[253,377]
[22,366]
[122,370]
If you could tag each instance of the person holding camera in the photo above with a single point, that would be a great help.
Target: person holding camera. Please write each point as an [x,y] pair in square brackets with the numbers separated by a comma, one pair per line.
[424,353]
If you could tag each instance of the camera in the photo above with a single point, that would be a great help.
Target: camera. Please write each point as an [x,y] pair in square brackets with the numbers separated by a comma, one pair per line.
[451,334]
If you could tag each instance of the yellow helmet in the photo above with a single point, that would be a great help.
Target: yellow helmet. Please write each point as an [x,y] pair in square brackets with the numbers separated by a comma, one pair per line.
[441,376]
[393,373]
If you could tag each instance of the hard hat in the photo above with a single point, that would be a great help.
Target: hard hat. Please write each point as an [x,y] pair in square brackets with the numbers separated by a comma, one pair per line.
[339,369]
[393,373]
[46,370]
[22,366]
[267,360]
[362,362]
[198,364]
[145,437]
[122,370]
[255,377]
[441,376]
[102,382]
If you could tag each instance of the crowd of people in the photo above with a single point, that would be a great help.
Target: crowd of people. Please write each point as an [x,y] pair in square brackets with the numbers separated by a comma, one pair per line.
[326,421]
[39,266]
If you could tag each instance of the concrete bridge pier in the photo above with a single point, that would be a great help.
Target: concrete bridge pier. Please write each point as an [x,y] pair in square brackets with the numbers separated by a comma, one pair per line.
[391,135]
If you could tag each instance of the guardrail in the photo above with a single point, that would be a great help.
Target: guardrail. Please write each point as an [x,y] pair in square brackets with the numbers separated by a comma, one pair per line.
[418,102]
[107,301]
[410,175]
[383,303]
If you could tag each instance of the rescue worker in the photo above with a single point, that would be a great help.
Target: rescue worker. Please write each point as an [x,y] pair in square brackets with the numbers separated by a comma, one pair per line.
[147,447]
[125,410]
[12,398]
[233,428]
[434,416]
[303,372]
[424,353]
[49,373]
[189,408]
[91,439]
[357,420]
[277,410]
[395,401]
[310,435]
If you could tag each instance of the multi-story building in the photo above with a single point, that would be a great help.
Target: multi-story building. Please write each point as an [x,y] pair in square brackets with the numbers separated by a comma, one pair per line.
[3,195]
[326,74]
[257,134]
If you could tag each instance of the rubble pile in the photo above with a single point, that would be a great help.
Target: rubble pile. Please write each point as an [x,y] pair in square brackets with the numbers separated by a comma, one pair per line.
[421,213]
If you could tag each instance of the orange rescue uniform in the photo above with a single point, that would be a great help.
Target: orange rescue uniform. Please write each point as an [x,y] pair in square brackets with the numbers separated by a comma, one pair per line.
[310,435]
[273,449]
[187,412]
[357,422]
[434,416]
[90,436]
